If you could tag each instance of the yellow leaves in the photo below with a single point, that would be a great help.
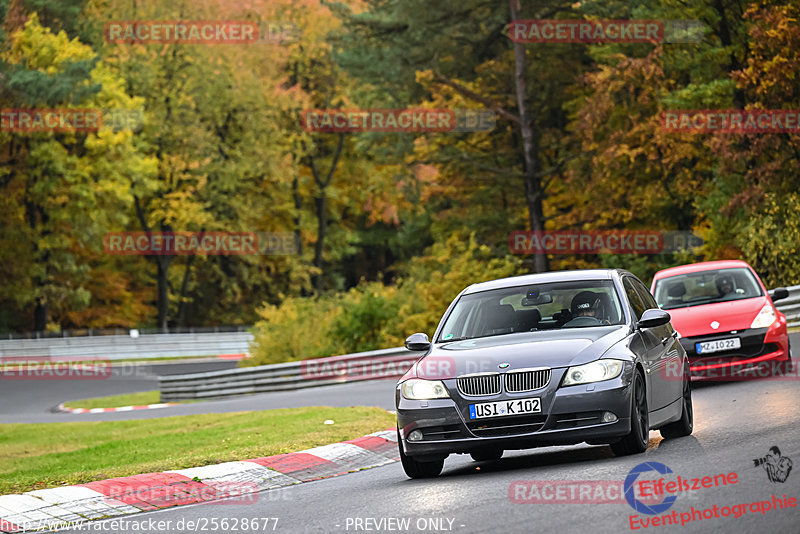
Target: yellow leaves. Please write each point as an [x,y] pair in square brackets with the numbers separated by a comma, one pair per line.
[770,241]
[44,51]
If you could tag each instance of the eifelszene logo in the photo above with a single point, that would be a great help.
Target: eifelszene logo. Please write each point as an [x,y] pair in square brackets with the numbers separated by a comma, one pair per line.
[638,505]
[670,489]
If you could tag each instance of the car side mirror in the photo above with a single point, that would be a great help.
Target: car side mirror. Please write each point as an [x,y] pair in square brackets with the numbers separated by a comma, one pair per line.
[652,318]
[418,341]
[778,293]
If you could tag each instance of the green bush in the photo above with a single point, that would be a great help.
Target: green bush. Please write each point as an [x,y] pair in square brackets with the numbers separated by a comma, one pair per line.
[373,316]
[770,240]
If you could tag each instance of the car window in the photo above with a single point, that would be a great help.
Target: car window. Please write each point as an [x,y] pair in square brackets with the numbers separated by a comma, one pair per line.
[637,305]
[706,287]
[647,298]
[572,304]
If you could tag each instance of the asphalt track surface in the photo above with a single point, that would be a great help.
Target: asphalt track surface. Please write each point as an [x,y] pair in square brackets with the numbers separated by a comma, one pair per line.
[33,401]
[735,423]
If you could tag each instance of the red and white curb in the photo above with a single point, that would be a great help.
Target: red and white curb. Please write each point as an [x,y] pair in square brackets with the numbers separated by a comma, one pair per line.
[240,480]
[61,408]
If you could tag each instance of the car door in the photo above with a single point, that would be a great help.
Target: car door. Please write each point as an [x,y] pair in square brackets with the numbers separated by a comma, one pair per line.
[650,351]
[666,354]
[670,369]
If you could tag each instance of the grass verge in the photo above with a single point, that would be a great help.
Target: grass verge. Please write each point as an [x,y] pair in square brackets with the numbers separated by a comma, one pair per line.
[37,456]
[115,401]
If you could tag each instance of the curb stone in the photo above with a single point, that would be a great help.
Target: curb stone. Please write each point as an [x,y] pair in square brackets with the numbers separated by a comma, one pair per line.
[61,408]
[50,508]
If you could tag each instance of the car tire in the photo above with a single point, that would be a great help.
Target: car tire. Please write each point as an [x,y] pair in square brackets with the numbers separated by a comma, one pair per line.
[487,455]
[683,426]
[415,468]
[637,439]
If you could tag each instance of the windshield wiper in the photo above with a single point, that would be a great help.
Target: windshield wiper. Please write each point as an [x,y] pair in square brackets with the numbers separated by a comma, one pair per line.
[454,339]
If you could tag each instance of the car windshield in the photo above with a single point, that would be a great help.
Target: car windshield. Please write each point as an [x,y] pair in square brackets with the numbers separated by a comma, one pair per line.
[706,287]
[529,308]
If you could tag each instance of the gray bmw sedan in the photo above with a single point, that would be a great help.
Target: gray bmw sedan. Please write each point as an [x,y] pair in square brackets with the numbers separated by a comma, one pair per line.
[545,359]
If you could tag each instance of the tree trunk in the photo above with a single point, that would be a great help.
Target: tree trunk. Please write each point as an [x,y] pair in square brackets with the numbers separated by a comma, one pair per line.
[187,274]
[298,243]
[163,304]
[724,34]
[162,268]
[320,202]
[530,146]
[40,315]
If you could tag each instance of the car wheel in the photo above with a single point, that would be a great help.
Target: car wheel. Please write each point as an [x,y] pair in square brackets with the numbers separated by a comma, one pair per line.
[487,455]
[415,468]
[637,439]
[684,425]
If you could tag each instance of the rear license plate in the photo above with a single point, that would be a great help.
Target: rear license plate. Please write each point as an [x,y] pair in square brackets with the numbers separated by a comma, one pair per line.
[718,345]
[505,408]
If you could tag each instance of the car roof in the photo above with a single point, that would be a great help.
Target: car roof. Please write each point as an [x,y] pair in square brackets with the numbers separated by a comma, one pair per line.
[555,276]
[697,267]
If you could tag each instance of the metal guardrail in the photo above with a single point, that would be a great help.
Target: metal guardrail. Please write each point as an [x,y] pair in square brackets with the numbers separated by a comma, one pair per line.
[127,347]
[790,307]
[93,332]
[376,364]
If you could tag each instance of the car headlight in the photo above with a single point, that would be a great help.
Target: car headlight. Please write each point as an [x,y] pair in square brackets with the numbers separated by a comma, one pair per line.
[417,389]
[764,318]
[593,372]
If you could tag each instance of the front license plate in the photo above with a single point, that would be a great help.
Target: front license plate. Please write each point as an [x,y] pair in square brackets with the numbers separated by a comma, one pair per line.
[718,345]
[504,408]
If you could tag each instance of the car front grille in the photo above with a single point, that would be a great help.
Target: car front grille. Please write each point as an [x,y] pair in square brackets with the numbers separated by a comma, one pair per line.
[526,380]
[479,385]
[442,432]
[752,345]
[574,420]
[507,426]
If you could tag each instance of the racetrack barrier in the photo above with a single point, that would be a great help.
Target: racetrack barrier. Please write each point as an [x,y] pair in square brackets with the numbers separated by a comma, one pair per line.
[790,307]
[122,347]
[376,364]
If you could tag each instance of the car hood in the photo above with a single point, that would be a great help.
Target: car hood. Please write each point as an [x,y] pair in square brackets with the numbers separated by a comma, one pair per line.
[557,348]
[732,315]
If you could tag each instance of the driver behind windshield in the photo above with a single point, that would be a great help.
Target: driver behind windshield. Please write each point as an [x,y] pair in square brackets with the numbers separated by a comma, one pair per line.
[724,285]
[584,309]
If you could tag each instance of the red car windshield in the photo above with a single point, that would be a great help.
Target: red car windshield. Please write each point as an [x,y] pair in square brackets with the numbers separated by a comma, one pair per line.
[706,287]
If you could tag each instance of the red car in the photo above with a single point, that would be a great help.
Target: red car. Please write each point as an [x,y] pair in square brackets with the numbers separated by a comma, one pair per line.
[725,316]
